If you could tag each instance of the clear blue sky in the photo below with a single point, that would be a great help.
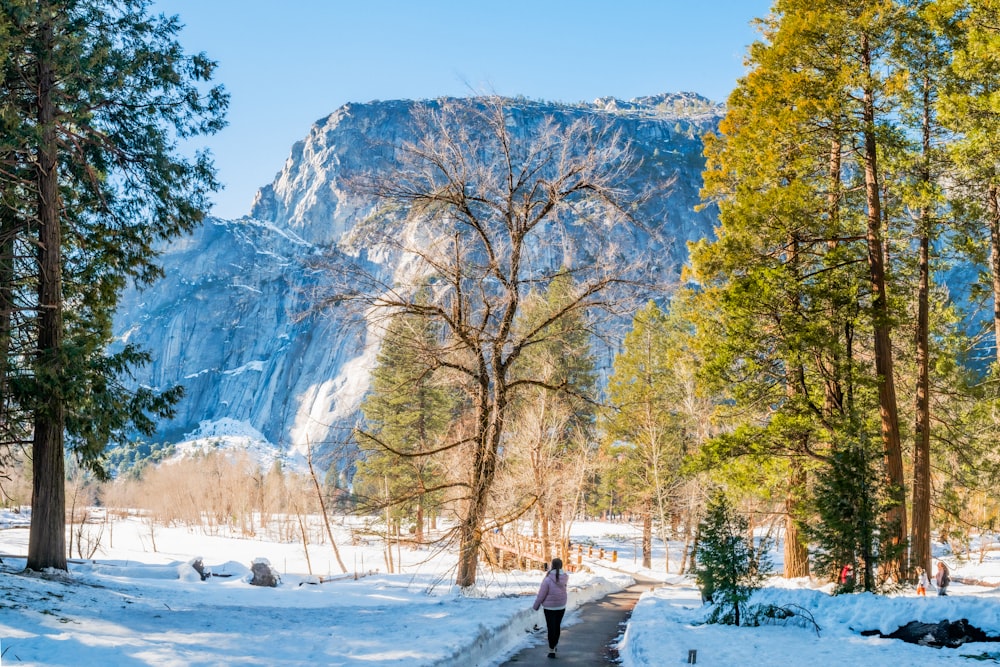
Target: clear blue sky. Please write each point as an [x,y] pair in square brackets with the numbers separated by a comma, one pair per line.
[288,63]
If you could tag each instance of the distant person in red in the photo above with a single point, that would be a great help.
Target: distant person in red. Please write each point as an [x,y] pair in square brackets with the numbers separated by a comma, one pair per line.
[922,581]
[847,575]
[552,599]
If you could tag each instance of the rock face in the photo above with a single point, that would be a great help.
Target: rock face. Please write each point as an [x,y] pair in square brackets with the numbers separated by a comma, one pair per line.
[233,320]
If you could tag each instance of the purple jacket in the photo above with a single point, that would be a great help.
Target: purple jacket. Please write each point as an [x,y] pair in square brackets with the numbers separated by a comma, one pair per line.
[552,593]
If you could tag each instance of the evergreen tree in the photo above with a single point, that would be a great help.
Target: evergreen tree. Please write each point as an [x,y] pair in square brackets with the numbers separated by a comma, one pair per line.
[969,107]
[553,418]
[730,567]
[653,420]
[407,412]
[95,95]
[849,508]
[780,307]
[828,171]
[919,169]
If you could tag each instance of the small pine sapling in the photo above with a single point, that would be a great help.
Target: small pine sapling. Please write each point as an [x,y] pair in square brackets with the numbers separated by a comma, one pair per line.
[729,567]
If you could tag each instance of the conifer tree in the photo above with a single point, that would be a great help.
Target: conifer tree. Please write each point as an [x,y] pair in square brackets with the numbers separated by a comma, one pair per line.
[920,170]
[555,427]
[652,421]
[831,142]
[968,106]
[96,94]
[729,566]
[781,284]
[849,507]
[407,411]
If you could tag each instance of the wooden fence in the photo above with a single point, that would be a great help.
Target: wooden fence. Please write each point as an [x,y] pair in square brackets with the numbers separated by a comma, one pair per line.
[520,552]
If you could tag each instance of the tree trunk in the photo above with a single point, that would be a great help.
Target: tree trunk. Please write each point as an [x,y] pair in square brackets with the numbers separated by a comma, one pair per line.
[7,233]
[470,538]
[322,508]
[546,531]
[920,532]
[647,538]
[796,555]
[796,552]
[993,207]
[47,541]
[418,531]
[470,528]
[896,514]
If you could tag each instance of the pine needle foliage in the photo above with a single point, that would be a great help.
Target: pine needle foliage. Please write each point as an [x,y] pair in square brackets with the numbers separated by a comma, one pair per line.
[849,508]
[729,567]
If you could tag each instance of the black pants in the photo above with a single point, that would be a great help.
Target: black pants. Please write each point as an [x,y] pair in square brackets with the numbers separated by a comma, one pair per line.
[553,618]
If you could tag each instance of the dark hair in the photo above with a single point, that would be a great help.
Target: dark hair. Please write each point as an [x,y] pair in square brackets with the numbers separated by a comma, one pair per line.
[557,565]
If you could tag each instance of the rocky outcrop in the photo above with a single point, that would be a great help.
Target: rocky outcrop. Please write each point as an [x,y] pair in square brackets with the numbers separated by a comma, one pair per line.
[233,321]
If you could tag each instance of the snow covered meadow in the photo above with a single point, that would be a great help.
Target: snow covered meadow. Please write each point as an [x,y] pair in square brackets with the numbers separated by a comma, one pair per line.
[134,606]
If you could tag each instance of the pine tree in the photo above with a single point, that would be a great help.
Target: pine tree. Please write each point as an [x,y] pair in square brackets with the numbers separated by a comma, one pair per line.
[552,419]
[779,300]
[407,411]
[730,567]
[95,94]
[827,169]
[919,169]
[653,420]
[968,106]
[849,505]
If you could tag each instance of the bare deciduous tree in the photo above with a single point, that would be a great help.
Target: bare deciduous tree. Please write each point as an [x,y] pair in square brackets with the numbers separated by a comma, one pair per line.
[485,205]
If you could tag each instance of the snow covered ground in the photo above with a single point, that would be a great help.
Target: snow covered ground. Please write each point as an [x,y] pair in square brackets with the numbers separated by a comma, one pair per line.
[134,606]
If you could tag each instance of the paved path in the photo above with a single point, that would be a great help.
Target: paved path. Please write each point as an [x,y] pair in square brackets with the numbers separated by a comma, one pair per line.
[589,640]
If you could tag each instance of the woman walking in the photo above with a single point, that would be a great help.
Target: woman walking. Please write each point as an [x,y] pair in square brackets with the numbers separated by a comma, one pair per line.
[942,578]
[552,599]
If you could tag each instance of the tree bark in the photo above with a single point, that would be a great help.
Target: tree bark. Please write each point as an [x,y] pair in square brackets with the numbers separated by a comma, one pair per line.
[888,409]
[7,233]
[47,542]
[796,552]
[920,532]
[993,209]
[647,538]
[470,531]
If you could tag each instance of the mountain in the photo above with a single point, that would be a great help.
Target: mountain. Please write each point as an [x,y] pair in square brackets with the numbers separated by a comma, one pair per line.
[234,320]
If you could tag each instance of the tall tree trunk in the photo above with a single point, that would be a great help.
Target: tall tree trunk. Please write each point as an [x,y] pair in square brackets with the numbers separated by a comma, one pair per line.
[796,551]
[647,537]
[47,542]
[833,390]
[920,532]
[7,234]
[484,464]
[993,209]
[888,410]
